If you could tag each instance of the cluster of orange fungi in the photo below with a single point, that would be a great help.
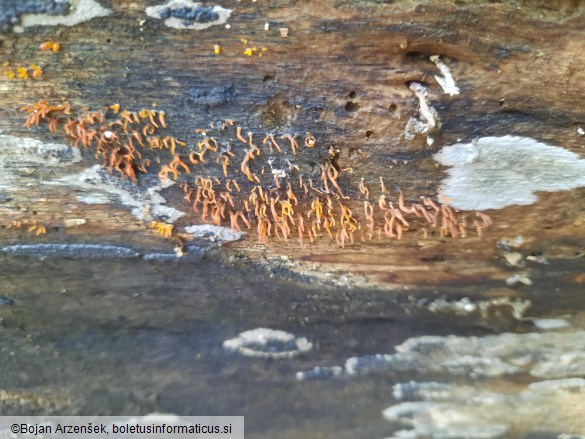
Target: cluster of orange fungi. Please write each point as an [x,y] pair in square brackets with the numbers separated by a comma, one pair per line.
[234,178]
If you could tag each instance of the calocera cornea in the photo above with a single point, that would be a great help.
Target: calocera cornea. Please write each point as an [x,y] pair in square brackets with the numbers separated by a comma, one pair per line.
[227,185]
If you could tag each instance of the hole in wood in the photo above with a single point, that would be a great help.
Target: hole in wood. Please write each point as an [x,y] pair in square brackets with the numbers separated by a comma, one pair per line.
[351,106]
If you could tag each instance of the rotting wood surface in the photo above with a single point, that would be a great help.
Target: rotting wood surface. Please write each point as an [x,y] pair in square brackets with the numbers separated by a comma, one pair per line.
[342,74]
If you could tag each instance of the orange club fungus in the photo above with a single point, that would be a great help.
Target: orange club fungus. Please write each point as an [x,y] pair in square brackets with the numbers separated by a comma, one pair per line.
[229,177]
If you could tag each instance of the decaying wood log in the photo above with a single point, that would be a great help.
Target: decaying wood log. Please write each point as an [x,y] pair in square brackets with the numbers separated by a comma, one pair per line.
[358,173]
[342,76]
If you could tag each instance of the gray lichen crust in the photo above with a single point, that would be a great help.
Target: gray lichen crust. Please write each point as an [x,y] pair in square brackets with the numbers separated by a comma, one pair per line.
[495,172]
[77,11]
[11,10]
[185,14]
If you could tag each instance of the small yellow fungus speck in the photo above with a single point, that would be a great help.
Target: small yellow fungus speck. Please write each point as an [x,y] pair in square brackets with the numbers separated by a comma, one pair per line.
[37,71]
[115,108]
[264,49]
[47,45]
[248,52]
[10,74]
[6,64]
[22,73]
[162,229]
[216,49]
[244,40]
[254,49]
[50,45]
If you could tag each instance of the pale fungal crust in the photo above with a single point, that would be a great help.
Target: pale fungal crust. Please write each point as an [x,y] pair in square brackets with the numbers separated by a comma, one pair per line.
[214,233]
[515,242]
[456,423]
[74,222]
[428,390]
[446,81]
[268,343]
[21,157]
[162,12]
[99,187]
[440,410]
[570,364]
[81,10]
[518,280]
[490,356]
[549,324]
[514,259]
[480,409]
[22,150]
[495,172]
[50,250]
[319,373]
[485,308]
[427,122]
[420,92]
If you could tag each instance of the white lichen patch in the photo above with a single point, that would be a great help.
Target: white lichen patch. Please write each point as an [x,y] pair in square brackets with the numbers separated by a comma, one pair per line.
[495,172]
[473,394]
[24,150]
[80,11]
[484,308]
[442,420]
[319,373]
[50,250]
[571,364]
[428,391]
[186,14]
[214,233]
[96,185]
[427,122]
[518,280]
[20,157]
[510,243]
[268,343]
[446,81]
[491,356]
[549,324]
[74,222]
[514,259]
[474,412]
